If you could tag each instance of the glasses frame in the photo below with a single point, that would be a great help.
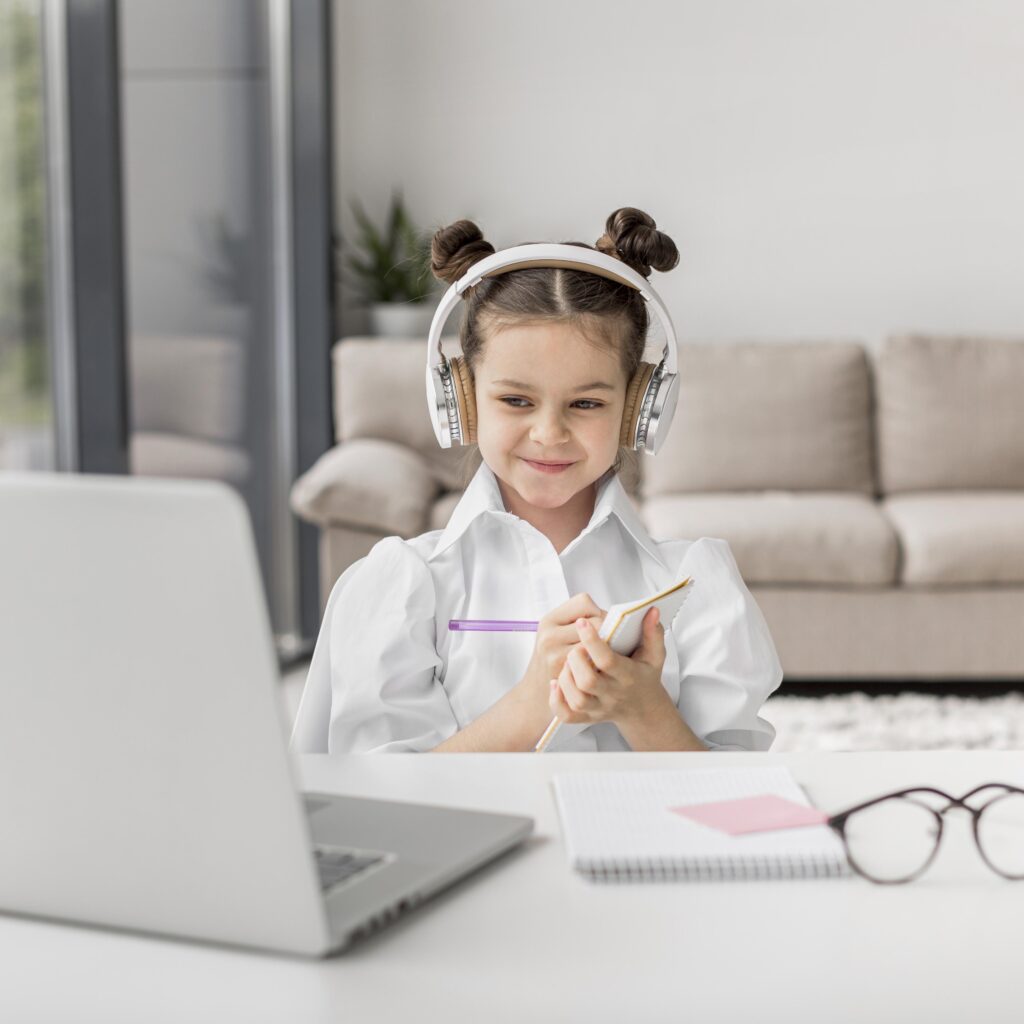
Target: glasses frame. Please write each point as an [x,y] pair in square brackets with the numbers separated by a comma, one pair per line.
[838,823]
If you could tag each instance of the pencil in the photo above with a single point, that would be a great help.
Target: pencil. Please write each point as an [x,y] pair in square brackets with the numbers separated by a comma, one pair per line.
[493,625]
[549,734]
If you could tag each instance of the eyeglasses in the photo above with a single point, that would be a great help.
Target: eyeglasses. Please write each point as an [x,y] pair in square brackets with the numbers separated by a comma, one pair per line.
[893,838]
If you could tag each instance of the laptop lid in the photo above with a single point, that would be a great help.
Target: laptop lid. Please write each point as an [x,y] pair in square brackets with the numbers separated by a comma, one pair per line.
[145,781]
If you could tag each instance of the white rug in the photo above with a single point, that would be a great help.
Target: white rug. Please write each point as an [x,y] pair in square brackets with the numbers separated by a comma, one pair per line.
[901,721]
[859,721]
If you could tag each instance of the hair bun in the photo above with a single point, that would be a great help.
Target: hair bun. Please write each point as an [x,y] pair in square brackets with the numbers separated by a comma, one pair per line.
[454,249]
[632,236]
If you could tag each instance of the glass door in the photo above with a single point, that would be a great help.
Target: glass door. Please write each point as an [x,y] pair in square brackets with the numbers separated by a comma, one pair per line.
[27,428]
[165,213]
[210,254]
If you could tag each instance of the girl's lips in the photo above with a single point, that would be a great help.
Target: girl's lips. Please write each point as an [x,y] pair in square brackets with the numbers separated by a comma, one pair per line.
[557,467]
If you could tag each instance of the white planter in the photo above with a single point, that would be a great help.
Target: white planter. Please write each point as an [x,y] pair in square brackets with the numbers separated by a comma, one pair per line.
[401,319]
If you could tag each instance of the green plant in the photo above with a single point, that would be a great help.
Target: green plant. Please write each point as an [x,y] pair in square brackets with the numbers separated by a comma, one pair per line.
[391,265]
[228,254]
[22,184]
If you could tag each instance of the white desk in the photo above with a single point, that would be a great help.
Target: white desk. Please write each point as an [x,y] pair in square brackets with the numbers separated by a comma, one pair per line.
[527,939]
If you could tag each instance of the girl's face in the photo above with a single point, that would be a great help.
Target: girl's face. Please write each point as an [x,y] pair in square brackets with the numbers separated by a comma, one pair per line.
[544,395]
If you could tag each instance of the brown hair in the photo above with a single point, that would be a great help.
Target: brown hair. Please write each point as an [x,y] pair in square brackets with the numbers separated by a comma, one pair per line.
[607,312]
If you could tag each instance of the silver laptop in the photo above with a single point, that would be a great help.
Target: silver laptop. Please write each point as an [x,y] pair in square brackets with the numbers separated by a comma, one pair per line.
[145,780]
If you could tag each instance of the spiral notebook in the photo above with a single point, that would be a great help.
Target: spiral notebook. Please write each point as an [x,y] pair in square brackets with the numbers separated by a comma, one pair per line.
[619,826]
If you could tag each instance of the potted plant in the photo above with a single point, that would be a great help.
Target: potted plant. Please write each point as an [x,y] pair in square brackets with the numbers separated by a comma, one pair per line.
[391,270]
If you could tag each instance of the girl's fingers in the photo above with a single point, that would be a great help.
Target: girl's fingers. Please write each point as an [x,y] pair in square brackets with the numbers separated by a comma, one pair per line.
[577,700]
[555,702]
[652,643]
[584,675]
[569,635]
[602,656]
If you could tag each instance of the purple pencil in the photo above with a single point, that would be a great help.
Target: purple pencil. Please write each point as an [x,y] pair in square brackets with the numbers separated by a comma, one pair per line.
[493,625]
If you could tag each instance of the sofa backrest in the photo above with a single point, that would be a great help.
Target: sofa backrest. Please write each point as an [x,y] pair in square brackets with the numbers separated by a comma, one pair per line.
[950,412]
[194,386]
[767,415]
[751,415]
[380,391]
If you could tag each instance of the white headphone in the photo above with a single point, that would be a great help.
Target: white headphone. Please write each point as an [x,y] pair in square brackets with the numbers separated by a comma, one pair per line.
[651,395]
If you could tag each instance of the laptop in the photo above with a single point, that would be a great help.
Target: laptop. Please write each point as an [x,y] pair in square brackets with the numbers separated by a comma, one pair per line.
[145,778]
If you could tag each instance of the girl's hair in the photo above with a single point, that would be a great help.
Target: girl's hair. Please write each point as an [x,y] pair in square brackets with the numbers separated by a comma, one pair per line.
[606,312]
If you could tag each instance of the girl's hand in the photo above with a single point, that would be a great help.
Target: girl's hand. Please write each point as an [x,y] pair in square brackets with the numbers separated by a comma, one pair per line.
[556,636]
[598,685]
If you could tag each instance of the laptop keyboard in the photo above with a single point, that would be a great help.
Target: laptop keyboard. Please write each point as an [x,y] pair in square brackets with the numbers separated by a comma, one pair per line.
[337,865]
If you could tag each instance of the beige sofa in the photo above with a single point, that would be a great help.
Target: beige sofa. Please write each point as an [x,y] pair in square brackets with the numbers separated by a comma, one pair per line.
[188,398]
[874,503]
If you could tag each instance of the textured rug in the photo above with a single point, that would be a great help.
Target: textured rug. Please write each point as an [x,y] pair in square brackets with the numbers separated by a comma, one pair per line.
[860,721]
[900,721]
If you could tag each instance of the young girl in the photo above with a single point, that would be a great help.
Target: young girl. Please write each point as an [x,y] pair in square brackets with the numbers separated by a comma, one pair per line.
[545,531]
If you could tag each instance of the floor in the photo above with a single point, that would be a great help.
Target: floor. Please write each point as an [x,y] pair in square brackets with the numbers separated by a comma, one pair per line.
[831,716]
[292,681]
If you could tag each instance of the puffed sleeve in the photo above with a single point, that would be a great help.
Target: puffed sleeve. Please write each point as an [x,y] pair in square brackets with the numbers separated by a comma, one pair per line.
[386,693]
[727,659]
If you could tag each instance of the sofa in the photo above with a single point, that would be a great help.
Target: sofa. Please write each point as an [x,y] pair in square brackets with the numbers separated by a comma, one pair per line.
[188,402]
[873,499]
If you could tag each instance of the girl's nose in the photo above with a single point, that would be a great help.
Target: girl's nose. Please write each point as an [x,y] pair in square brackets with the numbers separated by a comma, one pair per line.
[548,429]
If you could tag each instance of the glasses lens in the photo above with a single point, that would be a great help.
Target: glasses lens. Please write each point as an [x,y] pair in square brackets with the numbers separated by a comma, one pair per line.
[1001,833]
[892,840]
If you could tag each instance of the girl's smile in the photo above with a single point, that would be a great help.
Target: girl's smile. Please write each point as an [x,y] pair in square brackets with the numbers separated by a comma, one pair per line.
[549,467]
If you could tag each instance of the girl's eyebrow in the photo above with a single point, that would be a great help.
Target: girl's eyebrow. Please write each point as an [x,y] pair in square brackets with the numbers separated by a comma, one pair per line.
[596,385]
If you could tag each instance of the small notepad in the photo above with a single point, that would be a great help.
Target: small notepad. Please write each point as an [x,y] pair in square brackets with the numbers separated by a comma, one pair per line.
[623,623]
[620,826]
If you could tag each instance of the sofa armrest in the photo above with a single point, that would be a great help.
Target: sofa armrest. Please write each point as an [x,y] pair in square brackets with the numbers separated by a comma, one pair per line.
[369,484]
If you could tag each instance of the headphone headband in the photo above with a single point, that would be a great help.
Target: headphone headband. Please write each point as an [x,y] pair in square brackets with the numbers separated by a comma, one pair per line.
[550,254]
[657,403]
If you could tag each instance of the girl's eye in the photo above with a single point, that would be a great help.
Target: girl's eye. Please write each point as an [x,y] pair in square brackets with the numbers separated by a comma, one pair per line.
[588,403]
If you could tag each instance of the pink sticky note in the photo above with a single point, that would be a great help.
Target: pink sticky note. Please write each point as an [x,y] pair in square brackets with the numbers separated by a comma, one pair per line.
[752,814]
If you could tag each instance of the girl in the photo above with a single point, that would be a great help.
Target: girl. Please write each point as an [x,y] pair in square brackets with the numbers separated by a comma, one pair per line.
[545,531]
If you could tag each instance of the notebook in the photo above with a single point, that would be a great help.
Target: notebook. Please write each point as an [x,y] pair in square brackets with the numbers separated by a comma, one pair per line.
[623,623]
[619,826]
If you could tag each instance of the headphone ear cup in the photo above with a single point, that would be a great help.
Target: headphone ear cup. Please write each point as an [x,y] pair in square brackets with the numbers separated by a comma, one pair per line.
[635,392]
[462,383]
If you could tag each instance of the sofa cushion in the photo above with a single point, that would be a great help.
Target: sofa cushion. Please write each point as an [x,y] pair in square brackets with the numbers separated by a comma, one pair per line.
[380,392]
[786,415]
[950,413]
[786,537]
[975,538]
[441,510]
[371,484]
[192,458]
[192,386]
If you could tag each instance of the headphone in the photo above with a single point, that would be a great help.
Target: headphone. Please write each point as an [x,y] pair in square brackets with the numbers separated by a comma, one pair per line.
[651,395]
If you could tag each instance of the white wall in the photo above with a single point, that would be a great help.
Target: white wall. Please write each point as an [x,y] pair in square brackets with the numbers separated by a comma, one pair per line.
[827,167]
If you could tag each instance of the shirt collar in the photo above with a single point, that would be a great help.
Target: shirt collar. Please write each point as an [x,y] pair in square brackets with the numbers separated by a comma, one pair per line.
[484,496]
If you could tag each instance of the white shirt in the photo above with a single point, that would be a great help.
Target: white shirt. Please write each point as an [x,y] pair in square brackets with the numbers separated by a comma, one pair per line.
[400,680]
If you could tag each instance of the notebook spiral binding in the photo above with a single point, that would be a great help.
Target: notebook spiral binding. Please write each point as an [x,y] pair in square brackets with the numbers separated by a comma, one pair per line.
[706,870]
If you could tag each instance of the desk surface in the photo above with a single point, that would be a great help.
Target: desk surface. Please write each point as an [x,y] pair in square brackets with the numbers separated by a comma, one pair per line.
[527,939]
